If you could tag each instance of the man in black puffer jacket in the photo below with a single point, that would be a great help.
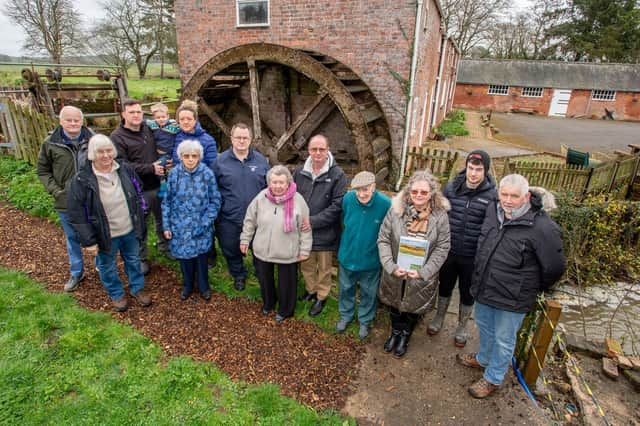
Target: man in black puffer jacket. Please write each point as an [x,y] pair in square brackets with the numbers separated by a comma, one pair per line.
[519,254]
[470,193]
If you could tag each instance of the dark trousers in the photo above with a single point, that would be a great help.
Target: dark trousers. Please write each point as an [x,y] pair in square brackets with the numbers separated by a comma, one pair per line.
[287,286]
[193,268]
[228,234]
[153,205]
[403,321]
[458,268]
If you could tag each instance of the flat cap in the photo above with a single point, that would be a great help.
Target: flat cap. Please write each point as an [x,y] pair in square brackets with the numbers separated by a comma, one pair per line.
[363,179]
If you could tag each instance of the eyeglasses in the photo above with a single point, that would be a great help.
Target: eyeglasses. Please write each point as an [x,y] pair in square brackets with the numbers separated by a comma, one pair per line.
[317,149]
[185,156]
[419,192]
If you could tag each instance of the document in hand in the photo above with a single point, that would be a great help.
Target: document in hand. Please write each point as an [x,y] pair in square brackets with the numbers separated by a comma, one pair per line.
[412,253]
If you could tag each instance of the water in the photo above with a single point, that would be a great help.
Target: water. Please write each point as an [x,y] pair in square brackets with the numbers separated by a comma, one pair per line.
[602,311]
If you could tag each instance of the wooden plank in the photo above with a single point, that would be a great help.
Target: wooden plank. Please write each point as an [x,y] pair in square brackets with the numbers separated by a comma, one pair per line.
[301,118]
[215,117]
[255,100]
[541,340]
[308,128]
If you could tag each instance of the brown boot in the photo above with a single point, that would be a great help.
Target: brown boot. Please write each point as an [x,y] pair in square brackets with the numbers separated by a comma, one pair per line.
[482,389]
[469,360]
[143,298]
[121,304]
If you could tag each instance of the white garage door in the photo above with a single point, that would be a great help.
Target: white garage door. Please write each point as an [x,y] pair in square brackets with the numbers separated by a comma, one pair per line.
[559,102]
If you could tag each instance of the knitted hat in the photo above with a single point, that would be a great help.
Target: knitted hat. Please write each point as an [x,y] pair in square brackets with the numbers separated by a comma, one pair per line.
[363,179]
[481,155]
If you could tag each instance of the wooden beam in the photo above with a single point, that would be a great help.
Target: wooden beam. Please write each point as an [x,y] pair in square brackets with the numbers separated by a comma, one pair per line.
[255,100]
[225,78]
[215,117]
[541,340]
[316,118]
[301,118]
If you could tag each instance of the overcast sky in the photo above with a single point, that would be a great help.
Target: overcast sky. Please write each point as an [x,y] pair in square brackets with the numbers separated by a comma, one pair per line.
[12,37]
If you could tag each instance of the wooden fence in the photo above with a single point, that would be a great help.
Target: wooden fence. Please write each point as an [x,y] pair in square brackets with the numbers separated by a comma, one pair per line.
[23,129]
[613,177]
[439,161]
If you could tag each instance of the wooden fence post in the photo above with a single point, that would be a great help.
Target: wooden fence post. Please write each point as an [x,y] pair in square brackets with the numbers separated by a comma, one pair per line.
[633,178]
[541,340]
[613,176]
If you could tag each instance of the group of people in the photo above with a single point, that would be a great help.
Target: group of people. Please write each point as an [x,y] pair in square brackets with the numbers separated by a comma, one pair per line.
[498,244]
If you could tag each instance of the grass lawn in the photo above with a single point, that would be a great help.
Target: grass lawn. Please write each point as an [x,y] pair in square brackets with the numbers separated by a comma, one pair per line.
[60,364]
[151,87]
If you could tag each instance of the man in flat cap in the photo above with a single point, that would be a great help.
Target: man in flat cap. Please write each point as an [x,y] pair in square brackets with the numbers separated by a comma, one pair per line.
[363,210]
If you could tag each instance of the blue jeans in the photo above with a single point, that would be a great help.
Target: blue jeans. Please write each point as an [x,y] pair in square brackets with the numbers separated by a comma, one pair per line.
[74,250]
[369,282]
[106,263]
[498,334]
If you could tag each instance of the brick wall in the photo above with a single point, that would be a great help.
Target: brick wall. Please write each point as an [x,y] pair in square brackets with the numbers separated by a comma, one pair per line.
[372,37]
[473,96]
[626,105]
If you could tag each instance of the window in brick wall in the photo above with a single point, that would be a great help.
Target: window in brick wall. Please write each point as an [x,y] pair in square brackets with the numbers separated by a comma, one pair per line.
[498,89]
[532,92]
[603,95]
[252,13]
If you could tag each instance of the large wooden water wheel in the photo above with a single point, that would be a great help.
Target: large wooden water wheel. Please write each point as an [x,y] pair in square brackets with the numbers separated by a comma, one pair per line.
[289,95]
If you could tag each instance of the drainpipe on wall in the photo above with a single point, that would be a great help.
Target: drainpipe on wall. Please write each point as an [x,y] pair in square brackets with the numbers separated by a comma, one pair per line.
[409,115]
[439,79]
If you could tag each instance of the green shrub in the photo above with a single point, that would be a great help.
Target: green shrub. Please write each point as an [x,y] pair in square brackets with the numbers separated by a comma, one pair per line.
[601,238]
[453,125]
[23,189]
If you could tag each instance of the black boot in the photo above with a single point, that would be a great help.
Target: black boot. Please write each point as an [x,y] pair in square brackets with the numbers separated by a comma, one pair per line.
[392,341]
[403,342]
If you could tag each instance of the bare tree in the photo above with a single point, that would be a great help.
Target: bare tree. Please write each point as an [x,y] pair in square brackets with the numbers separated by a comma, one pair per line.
[50,26]
[106,43]
[160,17]
[470,21]
[128,17]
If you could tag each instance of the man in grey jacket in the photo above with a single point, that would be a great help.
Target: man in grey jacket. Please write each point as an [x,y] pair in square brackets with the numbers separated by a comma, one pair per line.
[61,156]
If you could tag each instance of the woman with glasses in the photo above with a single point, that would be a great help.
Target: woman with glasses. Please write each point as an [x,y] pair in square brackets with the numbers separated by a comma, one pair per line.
[188,211]
[419,211]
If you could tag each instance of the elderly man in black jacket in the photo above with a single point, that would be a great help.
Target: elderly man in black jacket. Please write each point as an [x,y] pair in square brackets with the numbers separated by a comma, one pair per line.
[519,255]
[322,184]
[470,193]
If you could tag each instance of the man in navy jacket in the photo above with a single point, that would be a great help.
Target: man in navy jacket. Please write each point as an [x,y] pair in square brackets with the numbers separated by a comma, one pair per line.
[240,173]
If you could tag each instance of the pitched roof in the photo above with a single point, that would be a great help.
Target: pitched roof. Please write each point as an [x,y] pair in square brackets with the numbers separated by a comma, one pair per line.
[561,75]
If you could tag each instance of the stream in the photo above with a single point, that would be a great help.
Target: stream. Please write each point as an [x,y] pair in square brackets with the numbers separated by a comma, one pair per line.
[602,310]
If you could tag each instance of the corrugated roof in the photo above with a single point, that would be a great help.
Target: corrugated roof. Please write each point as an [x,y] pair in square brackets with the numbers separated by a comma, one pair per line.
[561,75]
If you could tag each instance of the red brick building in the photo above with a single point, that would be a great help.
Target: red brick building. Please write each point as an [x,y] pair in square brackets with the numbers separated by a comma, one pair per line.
[295,68]
[561,89]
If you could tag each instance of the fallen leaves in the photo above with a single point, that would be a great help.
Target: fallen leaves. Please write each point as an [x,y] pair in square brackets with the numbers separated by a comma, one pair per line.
[309,365]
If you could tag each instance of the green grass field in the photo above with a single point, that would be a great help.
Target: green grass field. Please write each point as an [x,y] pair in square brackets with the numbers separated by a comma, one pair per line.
[151,88]
[60,364]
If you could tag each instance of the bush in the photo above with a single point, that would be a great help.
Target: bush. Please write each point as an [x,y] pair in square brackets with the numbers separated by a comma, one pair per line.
[453,125]
[601,238]
[24,190]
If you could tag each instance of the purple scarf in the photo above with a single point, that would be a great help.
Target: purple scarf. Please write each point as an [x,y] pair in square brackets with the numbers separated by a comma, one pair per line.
[287,199]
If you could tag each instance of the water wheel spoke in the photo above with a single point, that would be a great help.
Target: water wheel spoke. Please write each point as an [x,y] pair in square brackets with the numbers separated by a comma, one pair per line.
[301,119]
[215,117]
[255,99]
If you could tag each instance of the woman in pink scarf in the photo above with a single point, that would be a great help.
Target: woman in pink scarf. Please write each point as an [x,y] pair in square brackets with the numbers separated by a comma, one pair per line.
[272,226]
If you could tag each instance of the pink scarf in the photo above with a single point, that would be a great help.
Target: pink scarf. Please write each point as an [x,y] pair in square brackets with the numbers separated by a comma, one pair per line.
[287,199]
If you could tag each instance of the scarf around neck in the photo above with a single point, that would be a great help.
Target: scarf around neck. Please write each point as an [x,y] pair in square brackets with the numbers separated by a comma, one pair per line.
[417,222]
[287,200]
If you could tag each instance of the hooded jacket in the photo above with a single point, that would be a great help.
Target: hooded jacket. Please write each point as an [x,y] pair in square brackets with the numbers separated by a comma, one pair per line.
[206,140]
[87,215]
[138,149]
[412,295]
[58,161]
[189,209]
[468,209]
[324,198]
[517,259]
